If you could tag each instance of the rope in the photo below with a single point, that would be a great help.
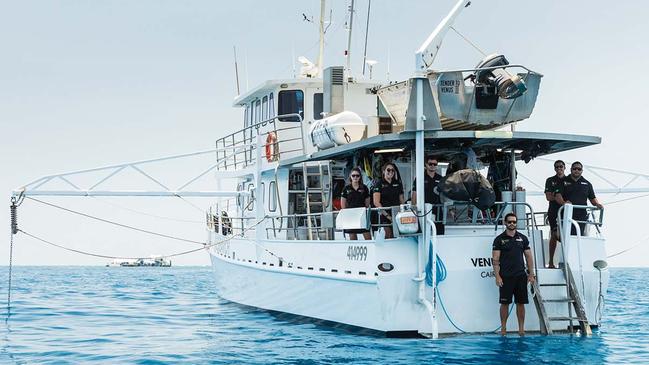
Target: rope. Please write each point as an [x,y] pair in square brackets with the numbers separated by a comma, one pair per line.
[116,223]
[628,249]
[469,42]
[205,246]
[145,213]
[626,199]
[11,255]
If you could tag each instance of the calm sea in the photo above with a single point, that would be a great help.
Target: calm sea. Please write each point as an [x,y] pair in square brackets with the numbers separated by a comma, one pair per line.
[72,315]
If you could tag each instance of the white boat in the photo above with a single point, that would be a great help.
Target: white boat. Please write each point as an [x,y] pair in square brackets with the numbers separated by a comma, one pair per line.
[277,243]
[288,254]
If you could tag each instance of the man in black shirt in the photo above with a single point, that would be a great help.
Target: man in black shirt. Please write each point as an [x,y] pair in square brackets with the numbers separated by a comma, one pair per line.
[577,190]
[552,186]
[431,194]
[509,248]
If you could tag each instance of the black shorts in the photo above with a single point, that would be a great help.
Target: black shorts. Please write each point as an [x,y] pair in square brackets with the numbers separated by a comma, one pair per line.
[516,286]
[552,220]
[347,231]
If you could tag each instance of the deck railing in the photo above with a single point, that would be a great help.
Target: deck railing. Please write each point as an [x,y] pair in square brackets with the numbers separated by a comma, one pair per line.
[237,150]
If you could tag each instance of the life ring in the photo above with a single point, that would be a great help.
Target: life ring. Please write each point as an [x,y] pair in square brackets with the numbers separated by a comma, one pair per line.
[271,147]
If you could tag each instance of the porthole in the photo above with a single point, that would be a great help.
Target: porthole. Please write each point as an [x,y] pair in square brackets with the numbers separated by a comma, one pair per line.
[386,266]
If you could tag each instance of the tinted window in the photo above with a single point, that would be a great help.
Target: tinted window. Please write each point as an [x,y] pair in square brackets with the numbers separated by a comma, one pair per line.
[317,106]
[290,102]
[257,112]
[264,108]
[271,105]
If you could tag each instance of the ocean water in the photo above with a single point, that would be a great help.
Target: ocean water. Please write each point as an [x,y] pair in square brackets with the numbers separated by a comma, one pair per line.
[96,315]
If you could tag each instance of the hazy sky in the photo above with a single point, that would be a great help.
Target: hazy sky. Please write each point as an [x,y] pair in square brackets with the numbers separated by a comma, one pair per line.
[89,83]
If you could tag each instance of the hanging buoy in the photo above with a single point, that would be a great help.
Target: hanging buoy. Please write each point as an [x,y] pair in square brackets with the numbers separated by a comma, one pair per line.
[271,147]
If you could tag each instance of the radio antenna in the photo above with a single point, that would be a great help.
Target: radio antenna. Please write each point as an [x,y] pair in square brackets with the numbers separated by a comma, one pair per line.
[236,69]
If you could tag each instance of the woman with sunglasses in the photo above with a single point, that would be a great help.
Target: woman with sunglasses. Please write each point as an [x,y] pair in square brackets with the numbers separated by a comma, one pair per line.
[387,192]
[356,195]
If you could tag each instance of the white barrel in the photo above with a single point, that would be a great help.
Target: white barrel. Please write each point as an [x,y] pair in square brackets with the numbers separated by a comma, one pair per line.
[338,129]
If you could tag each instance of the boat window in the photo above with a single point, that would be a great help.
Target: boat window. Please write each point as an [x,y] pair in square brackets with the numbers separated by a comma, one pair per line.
[251,197]
[290,102]
[271,105]
[317,106]
[264,108]
[262,193]
[257,112]
[272,194]
[240,198]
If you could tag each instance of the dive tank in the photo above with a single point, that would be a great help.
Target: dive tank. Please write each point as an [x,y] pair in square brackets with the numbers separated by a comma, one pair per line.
[407,220]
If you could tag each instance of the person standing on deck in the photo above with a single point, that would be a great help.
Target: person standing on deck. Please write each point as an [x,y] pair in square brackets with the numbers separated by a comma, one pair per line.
[356,195]
[508,250]
[387,192]
[577,190]
[552,186]
[431,192]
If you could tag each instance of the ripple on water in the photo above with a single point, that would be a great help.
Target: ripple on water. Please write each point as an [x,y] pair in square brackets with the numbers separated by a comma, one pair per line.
[161,316]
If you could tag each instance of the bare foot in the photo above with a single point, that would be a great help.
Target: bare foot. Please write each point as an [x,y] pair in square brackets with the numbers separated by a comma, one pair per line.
[551,266]
[503,332]
[521,333]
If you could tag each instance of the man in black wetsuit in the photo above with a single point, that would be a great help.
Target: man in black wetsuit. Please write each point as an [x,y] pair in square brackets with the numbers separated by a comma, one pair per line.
[431,194]
[577,190]
[509,248]
[552,187]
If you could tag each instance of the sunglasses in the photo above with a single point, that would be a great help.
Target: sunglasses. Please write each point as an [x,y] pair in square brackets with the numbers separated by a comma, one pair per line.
[356,175]
[432,164]
[389,170]
[576,168]
[560,167]
[510,222]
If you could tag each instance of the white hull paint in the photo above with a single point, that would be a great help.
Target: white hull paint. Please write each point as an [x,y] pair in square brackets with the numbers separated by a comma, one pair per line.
[325,281]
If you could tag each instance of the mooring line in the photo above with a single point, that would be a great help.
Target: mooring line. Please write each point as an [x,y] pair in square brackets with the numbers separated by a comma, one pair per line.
[116,223]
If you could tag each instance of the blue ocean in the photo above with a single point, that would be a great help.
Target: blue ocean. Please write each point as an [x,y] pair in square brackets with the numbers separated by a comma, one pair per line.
[73,315]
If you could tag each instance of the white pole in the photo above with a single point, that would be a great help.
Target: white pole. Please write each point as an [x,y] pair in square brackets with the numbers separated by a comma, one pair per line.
[321,53]
[348,67]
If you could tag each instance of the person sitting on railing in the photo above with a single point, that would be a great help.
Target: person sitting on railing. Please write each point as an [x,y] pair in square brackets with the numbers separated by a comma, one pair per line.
[575,189]
[431,193]
[552,187]
[356,195]
[386,192]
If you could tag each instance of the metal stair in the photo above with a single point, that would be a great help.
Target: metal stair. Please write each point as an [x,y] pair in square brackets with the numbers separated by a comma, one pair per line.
[572,300]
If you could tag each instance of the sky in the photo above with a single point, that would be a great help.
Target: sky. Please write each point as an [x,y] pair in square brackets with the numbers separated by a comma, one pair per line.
[87,84]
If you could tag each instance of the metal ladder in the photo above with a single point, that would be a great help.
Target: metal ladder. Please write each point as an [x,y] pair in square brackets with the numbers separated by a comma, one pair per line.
[323,187]
[572,300]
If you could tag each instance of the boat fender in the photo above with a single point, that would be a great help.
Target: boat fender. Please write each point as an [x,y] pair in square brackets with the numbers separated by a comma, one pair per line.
[271,147]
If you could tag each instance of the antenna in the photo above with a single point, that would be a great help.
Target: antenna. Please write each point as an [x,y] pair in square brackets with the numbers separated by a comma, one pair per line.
[245,60]
[367,27]
[348,68]
[236,69]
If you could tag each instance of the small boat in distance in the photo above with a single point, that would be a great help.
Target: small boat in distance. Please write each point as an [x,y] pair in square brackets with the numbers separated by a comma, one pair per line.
[153,261]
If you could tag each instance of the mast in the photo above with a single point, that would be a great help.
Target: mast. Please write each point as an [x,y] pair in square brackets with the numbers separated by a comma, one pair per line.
[322,30]
[348,67]
[236,70]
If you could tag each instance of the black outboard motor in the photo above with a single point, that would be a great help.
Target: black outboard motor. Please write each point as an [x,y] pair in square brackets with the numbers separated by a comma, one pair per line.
[469,186]
[508,86]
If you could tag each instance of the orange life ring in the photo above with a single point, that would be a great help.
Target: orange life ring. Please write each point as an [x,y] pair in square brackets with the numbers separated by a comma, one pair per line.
[271,147]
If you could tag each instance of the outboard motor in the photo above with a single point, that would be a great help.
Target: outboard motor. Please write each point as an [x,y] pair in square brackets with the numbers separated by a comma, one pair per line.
[507,86]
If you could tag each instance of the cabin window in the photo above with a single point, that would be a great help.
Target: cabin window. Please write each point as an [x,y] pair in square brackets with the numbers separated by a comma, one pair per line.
[251,197]
[271,105]
[264,108]
[290,102]
[257,111]
[246,116]
[262,193]
[240,198]
[272,194]
[317,106]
